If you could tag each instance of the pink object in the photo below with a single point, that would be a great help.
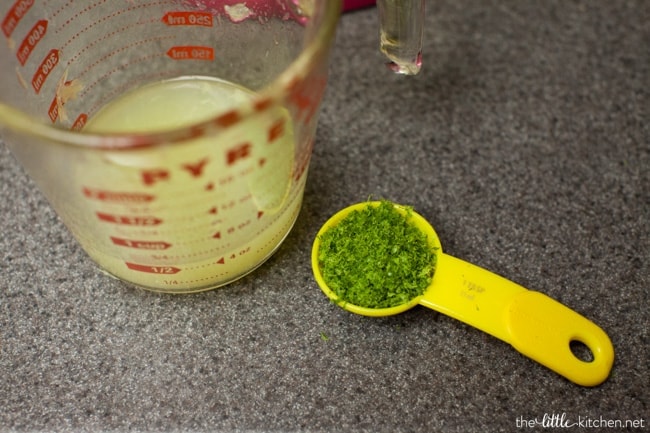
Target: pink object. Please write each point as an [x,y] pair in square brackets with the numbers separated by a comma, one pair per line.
[356,4]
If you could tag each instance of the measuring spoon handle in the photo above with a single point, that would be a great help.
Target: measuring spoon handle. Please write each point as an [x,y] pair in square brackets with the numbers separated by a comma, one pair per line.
[536,325]
[543,329]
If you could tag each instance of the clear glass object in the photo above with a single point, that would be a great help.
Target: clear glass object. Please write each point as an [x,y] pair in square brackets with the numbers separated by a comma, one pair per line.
[401,28]
[173,137]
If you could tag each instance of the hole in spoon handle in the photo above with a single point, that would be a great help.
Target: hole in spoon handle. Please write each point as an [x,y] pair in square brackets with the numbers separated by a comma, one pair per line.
[545,330]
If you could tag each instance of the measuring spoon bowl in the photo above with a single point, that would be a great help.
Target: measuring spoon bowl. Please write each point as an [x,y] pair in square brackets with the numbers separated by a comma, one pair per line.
[538,326]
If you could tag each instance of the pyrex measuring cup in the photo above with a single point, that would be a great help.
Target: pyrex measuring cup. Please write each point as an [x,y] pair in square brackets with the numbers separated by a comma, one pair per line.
[172,137]
[533,323]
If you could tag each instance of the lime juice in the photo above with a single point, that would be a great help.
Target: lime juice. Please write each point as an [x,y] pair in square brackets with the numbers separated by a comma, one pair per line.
[191,215]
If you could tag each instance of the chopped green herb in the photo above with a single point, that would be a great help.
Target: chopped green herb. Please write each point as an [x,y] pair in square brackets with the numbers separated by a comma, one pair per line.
[324,337]
[375,258]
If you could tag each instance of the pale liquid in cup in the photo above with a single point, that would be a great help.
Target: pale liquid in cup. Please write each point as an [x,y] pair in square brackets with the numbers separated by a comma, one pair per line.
[194,215]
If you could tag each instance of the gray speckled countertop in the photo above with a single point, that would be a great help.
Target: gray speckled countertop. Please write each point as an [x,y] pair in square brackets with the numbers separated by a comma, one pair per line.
[525,141]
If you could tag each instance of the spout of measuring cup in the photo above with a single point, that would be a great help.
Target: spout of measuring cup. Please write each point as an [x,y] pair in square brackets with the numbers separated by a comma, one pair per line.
[401,25]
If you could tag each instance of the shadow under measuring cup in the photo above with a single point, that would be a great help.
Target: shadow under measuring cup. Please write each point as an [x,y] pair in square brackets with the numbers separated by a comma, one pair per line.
[536,325]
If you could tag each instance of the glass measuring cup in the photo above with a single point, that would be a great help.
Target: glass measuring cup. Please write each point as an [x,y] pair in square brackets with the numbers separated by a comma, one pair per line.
[536,325]
[171,137]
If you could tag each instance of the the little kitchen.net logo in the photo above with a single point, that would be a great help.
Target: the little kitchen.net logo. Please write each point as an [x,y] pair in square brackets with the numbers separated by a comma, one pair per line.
[562,420]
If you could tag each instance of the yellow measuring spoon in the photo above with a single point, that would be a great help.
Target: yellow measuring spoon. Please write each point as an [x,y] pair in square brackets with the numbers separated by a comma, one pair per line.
[536,325]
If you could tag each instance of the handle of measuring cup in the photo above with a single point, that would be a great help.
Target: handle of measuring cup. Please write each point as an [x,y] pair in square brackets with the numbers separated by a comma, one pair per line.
[536,325]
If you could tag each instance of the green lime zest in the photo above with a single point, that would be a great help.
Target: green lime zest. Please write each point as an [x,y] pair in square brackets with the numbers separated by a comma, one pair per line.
[376,258]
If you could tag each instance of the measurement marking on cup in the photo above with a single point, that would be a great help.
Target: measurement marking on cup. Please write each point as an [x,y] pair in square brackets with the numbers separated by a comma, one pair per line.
[117,196]
[53,111]
[276,131]
[116,32]
[69,5]
[45,69]
[128,220]
[188,18]
[141,245]
[16,13]
[119,50]
[122,66]
[167,270]
[191,52]
[209,253]
[34,36]
[79,122]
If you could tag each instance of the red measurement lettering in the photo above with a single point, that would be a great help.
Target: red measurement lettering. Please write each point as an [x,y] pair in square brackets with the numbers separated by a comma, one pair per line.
[34,36]
[228,119]
[53,111]
[141,245]
[149,177]
[15,14]
[128,220]
[276,131]
[80,122]
[196,169]
[183,18]
[117,196]
[191,52]
[236,153]
[45,69]
[168,270]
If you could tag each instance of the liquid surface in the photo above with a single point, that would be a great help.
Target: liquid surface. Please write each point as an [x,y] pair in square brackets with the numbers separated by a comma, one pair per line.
[168,105]
[194,215]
